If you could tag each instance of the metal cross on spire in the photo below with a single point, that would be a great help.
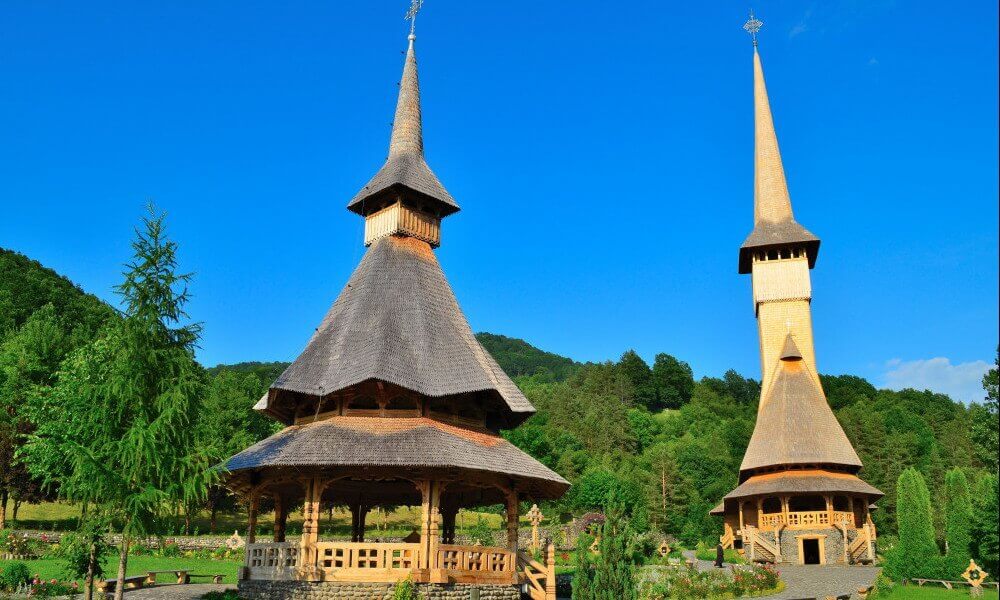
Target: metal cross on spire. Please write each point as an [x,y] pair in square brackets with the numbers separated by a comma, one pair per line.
[752,26]
[411,15]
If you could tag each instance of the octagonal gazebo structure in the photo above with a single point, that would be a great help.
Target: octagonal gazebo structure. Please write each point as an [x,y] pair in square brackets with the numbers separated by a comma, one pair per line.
[393,402]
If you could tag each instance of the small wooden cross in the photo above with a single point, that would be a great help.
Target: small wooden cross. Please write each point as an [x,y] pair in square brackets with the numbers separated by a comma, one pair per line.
[664,549]
[535,516]
[975,576]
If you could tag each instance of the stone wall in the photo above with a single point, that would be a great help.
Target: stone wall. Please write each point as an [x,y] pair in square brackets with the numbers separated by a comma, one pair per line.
[833,544]
[330,590]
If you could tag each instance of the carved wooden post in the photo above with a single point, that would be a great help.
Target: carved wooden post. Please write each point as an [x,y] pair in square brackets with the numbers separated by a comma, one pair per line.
[252,503]
[280,518]
[512,517]
[550,570]
[310,528]
[829,509]
[429,523]
[535,516]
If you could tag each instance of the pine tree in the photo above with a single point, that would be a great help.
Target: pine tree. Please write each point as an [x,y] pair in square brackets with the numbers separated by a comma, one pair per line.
[583,587]
[986,506]
[614,572]
[916,554]
[115,430]
[958,518]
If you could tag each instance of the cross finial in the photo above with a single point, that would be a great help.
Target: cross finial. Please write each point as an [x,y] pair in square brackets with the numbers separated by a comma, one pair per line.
[411,15]
[752,26]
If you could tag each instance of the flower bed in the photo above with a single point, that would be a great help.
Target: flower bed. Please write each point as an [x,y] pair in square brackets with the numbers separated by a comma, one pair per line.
[687,583]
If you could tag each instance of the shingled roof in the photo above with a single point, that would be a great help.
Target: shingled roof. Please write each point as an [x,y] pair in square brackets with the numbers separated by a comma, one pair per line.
[397,321]
[405,169]
[416,442]
[794,422]
[774,223]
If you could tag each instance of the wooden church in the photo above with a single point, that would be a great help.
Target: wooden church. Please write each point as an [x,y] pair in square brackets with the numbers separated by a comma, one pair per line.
[799,498]
[393,402]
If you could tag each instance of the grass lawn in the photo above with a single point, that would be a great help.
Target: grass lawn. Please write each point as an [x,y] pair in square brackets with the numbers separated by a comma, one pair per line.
[50,568]
[912,592]
[58,516]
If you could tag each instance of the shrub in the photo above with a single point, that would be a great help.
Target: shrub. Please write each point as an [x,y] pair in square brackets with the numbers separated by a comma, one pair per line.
[705,552]
[14,576]
[481,533]
[916,554]
[52,589]
[405,590]
[958,514]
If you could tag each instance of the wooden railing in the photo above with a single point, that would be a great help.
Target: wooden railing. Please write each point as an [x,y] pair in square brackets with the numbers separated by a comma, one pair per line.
[758,547]
[273,560]
[540,579]
[474,564]
[360,561]
[806,519]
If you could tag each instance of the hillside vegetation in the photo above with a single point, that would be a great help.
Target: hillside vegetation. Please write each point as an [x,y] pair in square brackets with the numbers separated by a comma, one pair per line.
[648,437]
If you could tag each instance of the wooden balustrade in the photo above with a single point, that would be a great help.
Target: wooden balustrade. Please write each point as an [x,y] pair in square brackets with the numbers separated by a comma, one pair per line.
[274,560]
[378,562]
[807,519]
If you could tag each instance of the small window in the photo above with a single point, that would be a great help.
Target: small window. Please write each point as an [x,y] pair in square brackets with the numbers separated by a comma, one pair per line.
[841,504]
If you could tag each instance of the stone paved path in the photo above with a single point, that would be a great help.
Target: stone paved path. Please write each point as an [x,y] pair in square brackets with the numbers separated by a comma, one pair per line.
[813,581]
[191,591]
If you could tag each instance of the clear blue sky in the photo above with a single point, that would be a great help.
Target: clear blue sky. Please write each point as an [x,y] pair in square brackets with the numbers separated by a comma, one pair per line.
[601,152]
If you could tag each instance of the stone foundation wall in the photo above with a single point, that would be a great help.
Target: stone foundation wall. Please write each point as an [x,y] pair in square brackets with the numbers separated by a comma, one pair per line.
[330,590]
[833,544]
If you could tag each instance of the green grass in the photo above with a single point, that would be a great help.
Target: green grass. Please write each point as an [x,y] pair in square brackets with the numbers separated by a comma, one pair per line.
[912,592]
[57,516]
[51,568]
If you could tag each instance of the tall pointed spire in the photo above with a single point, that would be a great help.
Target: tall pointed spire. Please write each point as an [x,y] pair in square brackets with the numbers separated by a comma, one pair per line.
[405,175]
[770,194]
[774,223]
[407,130]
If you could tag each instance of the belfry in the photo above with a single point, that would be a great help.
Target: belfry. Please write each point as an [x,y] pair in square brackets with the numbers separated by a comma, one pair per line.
[799,497]
[393,402]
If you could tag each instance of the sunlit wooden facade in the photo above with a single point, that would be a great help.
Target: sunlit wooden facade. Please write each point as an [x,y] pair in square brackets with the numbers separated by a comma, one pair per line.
[393,402]
[799,497]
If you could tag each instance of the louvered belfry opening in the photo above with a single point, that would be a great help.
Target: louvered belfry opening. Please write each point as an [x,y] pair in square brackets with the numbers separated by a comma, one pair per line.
[393,402]
[799,492]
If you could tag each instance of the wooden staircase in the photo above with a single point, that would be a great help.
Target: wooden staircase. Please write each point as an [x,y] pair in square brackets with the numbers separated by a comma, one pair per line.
[759,548]
[541,579]
[862,549]
[727,539]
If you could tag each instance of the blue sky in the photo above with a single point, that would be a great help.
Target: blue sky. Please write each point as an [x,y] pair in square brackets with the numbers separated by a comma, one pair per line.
[602,155]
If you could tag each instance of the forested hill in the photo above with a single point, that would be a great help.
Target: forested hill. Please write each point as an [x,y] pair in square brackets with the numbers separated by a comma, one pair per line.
[646,436]
[26,286]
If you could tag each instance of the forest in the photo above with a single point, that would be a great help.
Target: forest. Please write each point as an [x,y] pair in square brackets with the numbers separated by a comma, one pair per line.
[651,438]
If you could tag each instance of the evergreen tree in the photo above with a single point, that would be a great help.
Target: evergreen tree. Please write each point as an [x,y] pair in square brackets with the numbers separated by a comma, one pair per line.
[672,380]
[583,575]
[614,570]
[985,534]
[916,554]
[116,427]
[958,516]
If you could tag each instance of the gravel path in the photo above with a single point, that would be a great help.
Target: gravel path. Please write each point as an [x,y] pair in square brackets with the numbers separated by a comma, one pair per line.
[191,591]
[812,581]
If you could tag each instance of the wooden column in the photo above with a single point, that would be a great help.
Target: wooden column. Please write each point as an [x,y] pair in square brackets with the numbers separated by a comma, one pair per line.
[310,528]
[850,507]
[362,517]
[741,516]
[784,509]
[448,514]
[430,517]
[252,517]
[512,521]
[829,509]
[280,518]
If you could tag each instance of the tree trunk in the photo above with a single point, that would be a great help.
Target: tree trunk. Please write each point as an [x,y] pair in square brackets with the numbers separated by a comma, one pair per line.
[663,489]
[187,522]
[212,518]
[88,583]
[122,564]
[17,507]
[3,509]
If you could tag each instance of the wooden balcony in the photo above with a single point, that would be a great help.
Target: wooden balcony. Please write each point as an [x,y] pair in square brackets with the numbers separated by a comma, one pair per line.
[807,519]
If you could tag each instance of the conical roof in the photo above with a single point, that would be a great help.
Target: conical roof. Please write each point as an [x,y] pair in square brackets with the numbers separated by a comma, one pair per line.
[795,425]
[774,223]
[406,169]
[397,321]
